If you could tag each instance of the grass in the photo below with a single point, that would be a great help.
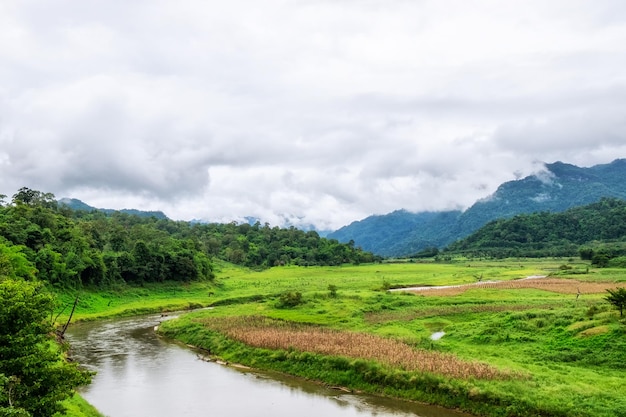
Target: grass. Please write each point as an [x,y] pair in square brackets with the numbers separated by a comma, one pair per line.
[266,333]
[550,347]
[125,300]
[78,407]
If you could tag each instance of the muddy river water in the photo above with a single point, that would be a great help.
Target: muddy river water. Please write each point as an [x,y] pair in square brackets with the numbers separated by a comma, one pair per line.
[141,374]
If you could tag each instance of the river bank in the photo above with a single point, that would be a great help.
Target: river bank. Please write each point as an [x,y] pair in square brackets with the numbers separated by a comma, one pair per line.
[139,373]
[358,375]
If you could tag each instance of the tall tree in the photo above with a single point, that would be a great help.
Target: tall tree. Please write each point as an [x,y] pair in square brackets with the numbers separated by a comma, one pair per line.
[34,376]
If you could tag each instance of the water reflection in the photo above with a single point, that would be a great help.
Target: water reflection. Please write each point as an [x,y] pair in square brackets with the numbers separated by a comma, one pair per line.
[140,374]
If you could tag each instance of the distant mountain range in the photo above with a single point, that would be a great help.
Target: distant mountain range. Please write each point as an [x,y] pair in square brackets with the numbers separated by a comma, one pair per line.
[560,187]
[76,204]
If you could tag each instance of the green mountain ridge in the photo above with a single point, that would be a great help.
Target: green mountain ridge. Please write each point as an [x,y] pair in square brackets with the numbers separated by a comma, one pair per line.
[557,188]
[78,205]
[601,225]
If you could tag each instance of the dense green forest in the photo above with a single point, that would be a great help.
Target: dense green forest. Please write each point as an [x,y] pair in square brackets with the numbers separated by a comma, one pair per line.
[71,248]
[593,231]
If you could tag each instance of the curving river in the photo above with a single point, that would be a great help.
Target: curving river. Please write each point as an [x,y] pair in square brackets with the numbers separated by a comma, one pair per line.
[141,374]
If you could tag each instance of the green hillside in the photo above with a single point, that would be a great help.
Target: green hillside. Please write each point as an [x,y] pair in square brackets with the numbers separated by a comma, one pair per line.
[549,234]
[559,187]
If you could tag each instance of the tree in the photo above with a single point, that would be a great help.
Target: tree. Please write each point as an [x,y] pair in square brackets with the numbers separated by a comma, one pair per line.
[34,376]
[34,198]
[617,297]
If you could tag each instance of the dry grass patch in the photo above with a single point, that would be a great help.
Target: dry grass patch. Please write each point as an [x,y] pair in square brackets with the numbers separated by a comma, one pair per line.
[594,331]
[266,333]
[580,326]
[562,286]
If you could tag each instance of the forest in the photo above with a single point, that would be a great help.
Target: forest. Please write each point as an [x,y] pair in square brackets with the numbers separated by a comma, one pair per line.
[594,232]
[73,248]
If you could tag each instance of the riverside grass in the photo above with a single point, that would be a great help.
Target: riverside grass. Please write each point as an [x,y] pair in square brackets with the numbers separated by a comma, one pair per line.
[569,352]
[78,407]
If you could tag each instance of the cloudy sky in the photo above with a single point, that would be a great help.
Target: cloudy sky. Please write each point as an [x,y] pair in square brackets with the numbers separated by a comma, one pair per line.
[321,111]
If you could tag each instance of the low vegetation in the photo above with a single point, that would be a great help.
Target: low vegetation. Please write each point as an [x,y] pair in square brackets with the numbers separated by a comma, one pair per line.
[262,332]
[535,347]
[564,286]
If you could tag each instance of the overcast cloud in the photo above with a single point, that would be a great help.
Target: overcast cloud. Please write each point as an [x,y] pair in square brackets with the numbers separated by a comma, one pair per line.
[319,111]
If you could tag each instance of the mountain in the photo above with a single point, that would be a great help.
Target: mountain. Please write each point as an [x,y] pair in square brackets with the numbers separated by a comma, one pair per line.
[400,232]
[549,234]
[76,204]
[557,188]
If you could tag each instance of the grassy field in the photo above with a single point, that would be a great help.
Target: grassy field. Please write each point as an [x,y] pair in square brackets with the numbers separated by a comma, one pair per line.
[518,348]
[234,285]
[549,347]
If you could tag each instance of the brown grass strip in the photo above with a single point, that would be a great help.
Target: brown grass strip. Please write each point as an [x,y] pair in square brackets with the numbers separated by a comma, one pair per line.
[562,286]
[271,334]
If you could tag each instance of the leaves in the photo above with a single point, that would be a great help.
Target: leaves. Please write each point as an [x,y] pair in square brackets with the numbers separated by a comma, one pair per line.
[74,249]
[617,297]
[35,376]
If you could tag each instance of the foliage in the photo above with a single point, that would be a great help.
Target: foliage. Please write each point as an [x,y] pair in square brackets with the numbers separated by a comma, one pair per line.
[77,249]
[429,252]
[617,297]
[34,377]
[332,290]
[290,299]
[553,234]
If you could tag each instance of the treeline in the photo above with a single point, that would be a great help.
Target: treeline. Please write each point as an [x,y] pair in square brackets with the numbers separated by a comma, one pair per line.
[72,248]
[259,246]
[571,233]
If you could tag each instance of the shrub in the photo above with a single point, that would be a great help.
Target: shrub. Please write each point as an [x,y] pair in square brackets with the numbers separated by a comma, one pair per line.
[290,299]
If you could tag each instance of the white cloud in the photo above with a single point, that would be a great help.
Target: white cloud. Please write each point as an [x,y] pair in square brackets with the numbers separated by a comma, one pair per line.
[316,110]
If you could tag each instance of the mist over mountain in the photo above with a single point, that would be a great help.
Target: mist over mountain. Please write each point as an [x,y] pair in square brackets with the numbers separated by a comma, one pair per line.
[558,187]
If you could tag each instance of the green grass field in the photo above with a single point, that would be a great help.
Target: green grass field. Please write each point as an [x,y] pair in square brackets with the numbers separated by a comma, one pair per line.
[566,350]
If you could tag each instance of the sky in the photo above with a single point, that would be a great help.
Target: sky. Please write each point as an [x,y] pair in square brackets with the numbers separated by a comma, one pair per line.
[311,112]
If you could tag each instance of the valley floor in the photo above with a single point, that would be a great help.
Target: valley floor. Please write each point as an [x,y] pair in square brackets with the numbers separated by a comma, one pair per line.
[554,348]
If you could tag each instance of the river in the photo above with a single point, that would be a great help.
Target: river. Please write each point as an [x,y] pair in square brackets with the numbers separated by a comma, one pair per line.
[141,374]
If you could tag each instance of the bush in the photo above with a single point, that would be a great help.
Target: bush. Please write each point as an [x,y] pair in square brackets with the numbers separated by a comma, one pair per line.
[290,299]
[619,262]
